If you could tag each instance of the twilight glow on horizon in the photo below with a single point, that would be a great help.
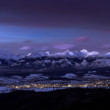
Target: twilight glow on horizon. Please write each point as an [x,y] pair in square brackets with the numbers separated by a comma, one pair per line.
[54,25]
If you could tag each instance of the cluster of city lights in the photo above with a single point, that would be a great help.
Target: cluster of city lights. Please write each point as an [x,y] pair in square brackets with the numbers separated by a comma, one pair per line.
[84,84]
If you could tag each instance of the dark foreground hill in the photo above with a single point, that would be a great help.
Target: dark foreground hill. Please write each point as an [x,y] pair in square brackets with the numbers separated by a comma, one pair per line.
[56,100]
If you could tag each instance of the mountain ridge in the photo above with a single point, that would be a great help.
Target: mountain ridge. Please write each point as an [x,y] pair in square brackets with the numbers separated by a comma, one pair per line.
[81,54]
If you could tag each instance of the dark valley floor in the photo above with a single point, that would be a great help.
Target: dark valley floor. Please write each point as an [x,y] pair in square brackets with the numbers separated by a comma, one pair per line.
[56,100]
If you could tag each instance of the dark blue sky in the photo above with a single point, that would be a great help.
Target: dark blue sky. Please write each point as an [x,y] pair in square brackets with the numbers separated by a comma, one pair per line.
[55,25]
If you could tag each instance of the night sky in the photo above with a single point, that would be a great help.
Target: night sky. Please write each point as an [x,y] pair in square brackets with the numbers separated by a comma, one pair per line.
[55,25]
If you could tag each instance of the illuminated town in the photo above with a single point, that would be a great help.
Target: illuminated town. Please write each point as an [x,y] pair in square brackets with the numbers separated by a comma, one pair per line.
[58,84]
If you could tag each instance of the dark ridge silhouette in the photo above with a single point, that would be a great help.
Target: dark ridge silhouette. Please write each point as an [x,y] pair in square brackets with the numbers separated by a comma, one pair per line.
[56,100]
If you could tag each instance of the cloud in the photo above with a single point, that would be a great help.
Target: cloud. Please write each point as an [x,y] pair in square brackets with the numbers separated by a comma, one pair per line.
[25,48]
[44,48]
[64,46]
[27,41]
[82,39]
[106,46]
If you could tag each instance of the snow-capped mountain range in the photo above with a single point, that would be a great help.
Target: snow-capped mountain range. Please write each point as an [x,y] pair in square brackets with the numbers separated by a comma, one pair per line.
[66,54]
[46,60]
